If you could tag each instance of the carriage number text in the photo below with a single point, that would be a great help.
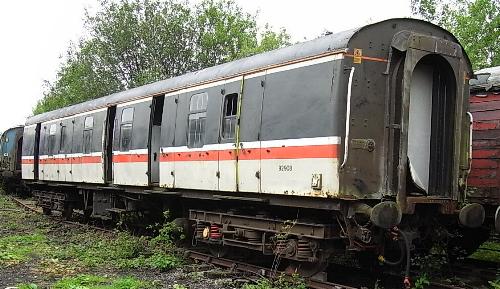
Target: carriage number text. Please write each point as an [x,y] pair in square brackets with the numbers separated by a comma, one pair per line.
[285,168]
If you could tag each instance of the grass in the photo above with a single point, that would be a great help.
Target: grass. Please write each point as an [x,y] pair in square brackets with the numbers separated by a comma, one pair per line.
[55,250]
[282,282]
[19,248]
[489,251]
[95,282]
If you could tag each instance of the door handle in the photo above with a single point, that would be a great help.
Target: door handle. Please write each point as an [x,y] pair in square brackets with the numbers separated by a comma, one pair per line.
[155,156]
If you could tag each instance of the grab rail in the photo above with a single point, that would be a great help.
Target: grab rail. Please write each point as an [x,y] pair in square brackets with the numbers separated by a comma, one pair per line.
[347,119]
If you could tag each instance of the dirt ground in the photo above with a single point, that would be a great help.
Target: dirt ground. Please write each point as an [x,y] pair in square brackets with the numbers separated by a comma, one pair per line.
[39,252]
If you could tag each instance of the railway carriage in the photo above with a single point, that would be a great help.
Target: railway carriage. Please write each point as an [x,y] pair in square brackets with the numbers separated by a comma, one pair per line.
[10,158]
[323,145]
[484,179]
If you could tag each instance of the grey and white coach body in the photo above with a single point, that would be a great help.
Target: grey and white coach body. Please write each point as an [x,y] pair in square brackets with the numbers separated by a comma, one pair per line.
[373,115]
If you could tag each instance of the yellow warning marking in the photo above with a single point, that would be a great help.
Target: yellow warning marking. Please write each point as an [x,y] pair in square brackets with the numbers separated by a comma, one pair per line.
[358,56]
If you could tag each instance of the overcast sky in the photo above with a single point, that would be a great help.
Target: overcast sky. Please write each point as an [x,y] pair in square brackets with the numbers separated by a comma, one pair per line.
[35,34]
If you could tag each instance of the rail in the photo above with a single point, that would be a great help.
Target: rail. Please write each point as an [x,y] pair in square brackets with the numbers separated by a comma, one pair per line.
[263,272]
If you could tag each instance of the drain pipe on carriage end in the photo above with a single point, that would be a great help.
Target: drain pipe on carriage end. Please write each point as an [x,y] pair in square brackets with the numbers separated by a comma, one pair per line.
[404,252]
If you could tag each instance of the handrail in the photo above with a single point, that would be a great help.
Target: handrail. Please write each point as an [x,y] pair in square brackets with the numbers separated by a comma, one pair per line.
[471,124]
[347,119]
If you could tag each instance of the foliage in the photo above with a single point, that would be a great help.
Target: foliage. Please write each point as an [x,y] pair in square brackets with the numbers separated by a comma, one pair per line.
[475,23]
[431,263]
[98,282]
[282,282]
[286,229]
[135,42]
[164,262]
[95,282]
[60,250]
[495,284]
[421,282]
[27,286]
[18,248]
[169,232]
[488,252]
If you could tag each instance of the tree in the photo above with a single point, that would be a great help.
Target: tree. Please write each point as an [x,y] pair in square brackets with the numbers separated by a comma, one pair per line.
[475,23]
[135,42]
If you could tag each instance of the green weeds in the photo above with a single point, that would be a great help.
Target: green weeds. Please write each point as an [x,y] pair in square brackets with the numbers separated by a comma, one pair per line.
[94,282]
[489,251]
[57,250]
[18,248]
[282,282]
[421,282]
[495,284]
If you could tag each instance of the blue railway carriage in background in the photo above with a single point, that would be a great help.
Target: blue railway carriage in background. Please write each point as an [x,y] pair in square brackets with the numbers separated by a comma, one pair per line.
[349,136]
[10,157]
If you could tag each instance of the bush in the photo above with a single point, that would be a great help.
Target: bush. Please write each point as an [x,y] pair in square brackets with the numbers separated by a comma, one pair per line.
[282,282]
[163,262]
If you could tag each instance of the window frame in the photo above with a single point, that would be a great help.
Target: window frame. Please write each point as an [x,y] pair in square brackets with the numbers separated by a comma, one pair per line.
[127,123]
[51,140]
[87,148]
[235,97]
[62,143]
[197,115]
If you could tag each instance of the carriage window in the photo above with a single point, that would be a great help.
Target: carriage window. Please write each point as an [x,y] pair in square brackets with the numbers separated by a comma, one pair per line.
[89,122]
[126,128]
[62,142]
[196,119]
[87,134]
[52,139]
[128,114]
[230,116]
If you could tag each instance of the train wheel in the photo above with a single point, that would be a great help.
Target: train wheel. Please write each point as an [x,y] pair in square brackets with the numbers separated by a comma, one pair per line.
[183,236]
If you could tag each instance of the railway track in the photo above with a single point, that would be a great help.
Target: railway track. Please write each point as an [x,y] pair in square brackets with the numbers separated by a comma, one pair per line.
[257,271]
[31,207]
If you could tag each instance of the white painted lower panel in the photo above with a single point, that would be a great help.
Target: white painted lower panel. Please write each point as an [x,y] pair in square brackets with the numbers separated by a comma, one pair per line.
[249,179]
[249,167]
[28,171]
[200,175]
[92,173]
[41,171]
[294,176]
[167,176]
[130,173]
[65,173]
[76,169]
[227,180]
[49,171]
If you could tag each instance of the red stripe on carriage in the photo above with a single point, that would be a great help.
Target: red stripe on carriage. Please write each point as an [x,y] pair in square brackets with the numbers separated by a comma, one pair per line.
[196,156]
[291,152]
[300,152]
[91,160]
[70,160]
[130,158]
